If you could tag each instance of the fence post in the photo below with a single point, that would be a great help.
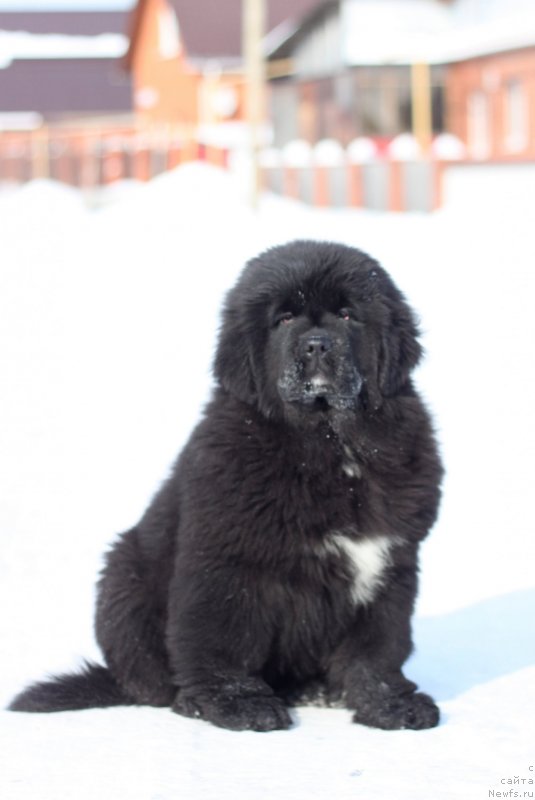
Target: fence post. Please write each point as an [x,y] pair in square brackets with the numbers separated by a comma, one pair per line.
[297,158]
[395,186]
[272,170]
[113,159]
[321,185]
[175,148]
[328,155]
[402,148]
[88,161]
[446,148]
[141,157]
[359,151]
[40,156]
[64,158]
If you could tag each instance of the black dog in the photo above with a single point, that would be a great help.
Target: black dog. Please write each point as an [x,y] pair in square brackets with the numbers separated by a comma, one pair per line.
[278,563]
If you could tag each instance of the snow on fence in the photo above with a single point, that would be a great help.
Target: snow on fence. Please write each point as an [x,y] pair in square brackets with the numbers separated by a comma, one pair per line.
[396,177]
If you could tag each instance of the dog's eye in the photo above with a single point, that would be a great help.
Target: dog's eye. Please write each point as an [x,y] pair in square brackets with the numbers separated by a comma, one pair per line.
[285,318]
[344,314]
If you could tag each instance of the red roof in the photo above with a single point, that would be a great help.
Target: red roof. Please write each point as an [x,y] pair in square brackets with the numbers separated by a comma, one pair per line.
[58,87]
[213,28]
[62,87]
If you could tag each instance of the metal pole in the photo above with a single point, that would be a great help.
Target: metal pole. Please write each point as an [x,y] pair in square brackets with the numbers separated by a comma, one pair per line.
[253,27]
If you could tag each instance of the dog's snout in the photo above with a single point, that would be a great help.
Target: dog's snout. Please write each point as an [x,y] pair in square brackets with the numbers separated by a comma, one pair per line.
[315,345]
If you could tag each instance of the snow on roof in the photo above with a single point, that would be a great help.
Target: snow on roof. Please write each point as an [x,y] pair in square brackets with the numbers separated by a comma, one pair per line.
[405,31]
[279,35]
[390,31]
[495,36]
[22,45]
[20,120]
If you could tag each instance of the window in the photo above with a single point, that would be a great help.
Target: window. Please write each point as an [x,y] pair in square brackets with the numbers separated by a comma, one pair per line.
[516,117]
[478,125]
[168,34]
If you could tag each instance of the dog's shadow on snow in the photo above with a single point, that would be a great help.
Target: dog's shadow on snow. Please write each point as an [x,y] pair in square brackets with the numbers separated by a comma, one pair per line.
[473,645]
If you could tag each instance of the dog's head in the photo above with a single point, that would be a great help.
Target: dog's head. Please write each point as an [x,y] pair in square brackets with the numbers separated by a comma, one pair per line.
[315,328]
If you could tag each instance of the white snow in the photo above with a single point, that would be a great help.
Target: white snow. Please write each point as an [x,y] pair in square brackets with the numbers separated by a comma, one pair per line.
[107,326]
[409,31]
[23,45]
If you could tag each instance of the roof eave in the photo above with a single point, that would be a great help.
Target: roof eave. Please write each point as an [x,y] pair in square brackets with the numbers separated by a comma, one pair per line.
[134,27]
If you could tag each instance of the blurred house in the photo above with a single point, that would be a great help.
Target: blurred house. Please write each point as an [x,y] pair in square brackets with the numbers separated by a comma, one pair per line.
[347,71]
[186,59]
[62,66]
[490,79]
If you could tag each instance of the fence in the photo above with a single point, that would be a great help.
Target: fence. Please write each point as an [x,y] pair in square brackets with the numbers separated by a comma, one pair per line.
[391,176]
[90,158]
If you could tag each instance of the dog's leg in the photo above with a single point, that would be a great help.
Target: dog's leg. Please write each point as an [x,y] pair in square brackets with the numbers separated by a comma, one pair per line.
[366,669]
[218,642]
[130,626]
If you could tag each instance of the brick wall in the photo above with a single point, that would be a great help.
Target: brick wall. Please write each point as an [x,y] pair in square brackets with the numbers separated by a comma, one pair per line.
[484,87]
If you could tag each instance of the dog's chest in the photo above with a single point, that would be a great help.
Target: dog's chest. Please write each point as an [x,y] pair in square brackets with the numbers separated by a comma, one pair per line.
[363,562]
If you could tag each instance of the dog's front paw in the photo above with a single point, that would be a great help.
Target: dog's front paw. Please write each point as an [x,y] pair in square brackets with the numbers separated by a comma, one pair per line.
[414,711]
[234,710]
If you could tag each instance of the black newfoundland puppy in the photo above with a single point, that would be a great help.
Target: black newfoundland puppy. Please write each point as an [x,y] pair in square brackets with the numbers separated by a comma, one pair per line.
[278,563]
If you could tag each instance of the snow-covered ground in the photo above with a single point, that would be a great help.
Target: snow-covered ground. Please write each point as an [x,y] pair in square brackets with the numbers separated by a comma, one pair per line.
[107,326]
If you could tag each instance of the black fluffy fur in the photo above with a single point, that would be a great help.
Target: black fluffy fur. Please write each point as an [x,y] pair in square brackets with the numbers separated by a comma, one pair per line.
[235,596]
[93,687]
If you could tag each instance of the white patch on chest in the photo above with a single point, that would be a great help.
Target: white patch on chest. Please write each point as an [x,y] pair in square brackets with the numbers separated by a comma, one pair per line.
[367,559]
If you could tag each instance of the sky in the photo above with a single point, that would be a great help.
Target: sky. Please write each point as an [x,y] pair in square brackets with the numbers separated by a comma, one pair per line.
[61,5]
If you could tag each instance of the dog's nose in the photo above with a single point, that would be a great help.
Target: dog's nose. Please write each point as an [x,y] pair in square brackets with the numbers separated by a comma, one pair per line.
[315,345]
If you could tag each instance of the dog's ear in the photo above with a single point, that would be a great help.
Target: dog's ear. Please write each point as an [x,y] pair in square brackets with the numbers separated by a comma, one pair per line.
[400,349]
[233,367]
